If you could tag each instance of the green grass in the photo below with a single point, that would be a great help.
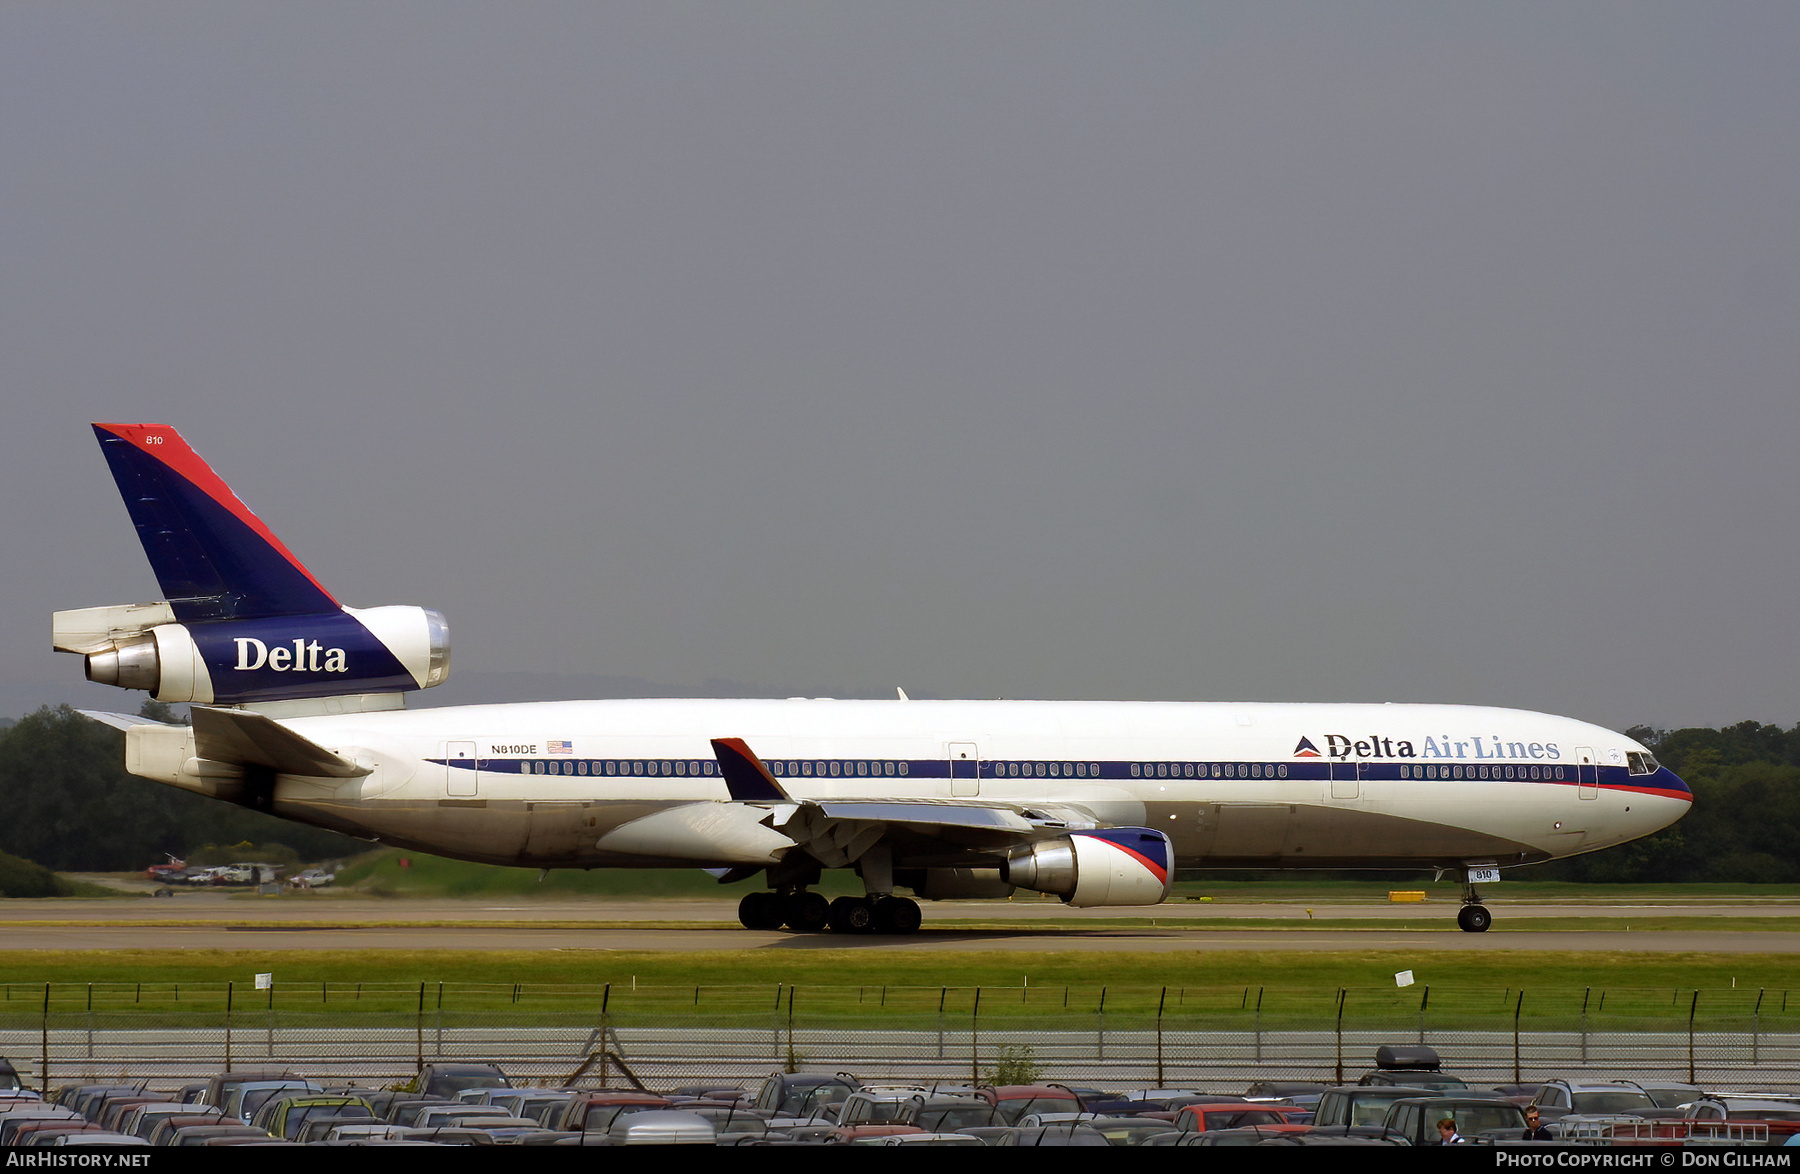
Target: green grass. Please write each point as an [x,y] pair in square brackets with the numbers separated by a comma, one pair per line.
[1305,974]
[912,989]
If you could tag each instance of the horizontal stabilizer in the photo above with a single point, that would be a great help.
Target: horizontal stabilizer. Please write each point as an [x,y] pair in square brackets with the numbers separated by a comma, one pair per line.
[118,721]
[250,739]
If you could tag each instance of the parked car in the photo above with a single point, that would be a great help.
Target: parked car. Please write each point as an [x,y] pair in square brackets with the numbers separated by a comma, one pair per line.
[446,1080]
[1561,1098]
[1361,1105]
[1416,1118]
[805,1094]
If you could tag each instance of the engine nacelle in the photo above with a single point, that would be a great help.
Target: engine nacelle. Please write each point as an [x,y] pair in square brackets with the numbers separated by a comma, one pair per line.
[1109,866]
[269,658]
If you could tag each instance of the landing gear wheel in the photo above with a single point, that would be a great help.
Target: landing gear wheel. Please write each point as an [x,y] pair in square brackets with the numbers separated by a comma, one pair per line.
[806,911]
[760,911]
[897,915]
[1474,919]
[852,915]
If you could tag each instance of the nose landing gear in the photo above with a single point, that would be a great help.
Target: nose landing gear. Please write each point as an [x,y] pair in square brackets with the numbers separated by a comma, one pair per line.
[1474,917]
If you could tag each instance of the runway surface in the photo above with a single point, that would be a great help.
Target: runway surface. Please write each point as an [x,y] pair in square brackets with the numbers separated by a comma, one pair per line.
[219,921]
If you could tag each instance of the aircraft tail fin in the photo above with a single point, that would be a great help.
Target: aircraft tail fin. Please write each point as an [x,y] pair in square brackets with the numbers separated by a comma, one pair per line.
[243,622]
[213,557]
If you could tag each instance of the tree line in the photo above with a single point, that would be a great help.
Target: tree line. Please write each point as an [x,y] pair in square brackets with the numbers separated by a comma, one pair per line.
[1745,823]
[70,806]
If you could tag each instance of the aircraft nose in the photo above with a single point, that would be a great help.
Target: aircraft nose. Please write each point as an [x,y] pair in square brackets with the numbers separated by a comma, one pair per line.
[1666,799]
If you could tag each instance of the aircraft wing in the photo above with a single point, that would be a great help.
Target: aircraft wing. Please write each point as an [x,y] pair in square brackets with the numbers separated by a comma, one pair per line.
[837,831]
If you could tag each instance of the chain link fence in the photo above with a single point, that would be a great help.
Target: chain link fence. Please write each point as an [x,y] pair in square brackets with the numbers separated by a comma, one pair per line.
[660,1038]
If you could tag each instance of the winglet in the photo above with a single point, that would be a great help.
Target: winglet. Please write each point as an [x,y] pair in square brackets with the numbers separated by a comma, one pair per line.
[745,775]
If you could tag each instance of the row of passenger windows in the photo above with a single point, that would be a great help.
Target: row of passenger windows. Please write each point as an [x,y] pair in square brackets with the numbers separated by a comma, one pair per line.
[1485,772]
[1209,770]
[706,767]
[863,768]
[617,766]
[1043,770]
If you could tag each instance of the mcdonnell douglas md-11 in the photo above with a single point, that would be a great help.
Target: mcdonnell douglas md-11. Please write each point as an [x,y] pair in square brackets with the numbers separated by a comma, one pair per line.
[298,709]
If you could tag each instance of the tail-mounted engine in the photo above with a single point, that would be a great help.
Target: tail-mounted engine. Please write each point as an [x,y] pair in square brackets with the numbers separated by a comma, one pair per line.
[1111,866]
[268,658]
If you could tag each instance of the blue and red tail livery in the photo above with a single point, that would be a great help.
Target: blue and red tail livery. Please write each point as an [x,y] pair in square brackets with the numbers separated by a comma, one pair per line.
[242,621]
[213,558]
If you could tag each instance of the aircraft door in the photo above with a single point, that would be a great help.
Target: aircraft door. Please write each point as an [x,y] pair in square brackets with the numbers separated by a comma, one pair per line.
[1588,769]
[462,777]
[965,769]
[1345,781]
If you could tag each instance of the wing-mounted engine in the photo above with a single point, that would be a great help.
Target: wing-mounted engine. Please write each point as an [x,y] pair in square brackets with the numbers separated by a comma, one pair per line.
[268,658]
[1110,866]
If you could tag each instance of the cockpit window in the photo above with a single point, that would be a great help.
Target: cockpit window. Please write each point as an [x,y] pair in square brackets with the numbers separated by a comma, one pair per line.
[1639,763]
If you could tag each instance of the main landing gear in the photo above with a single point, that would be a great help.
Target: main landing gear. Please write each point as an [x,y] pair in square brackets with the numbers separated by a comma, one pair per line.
[808,912]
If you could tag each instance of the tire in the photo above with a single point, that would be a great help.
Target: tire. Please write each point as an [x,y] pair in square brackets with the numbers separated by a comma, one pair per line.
[760,911]
[1474,919]
[806,912]
[897,915]
[852,915]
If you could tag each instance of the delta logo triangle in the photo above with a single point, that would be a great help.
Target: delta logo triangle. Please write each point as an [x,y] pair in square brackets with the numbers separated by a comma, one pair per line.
[1306,749]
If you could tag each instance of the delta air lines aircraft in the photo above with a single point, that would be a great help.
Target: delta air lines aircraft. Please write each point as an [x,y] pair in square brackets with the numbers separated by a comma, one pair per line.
[298,709]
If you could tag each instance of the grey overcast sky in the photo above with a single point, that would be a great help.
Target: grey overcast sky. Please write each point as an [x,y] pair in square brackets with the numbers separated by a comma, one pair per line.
[1290,351]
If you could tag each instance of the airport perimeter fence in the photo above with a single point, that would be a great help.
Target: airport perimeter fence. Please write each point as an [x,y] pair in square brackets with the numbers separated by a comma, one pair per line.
[1213,1039]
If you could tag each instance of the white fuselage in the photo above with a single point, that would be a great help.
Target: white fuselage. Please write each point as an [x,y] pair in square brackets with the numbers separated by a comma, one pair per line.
[1232,784]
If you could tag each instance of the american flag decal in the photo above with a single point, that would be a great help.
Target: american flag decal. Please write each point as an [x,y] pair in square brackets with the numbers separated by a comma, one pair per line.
[561,747]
